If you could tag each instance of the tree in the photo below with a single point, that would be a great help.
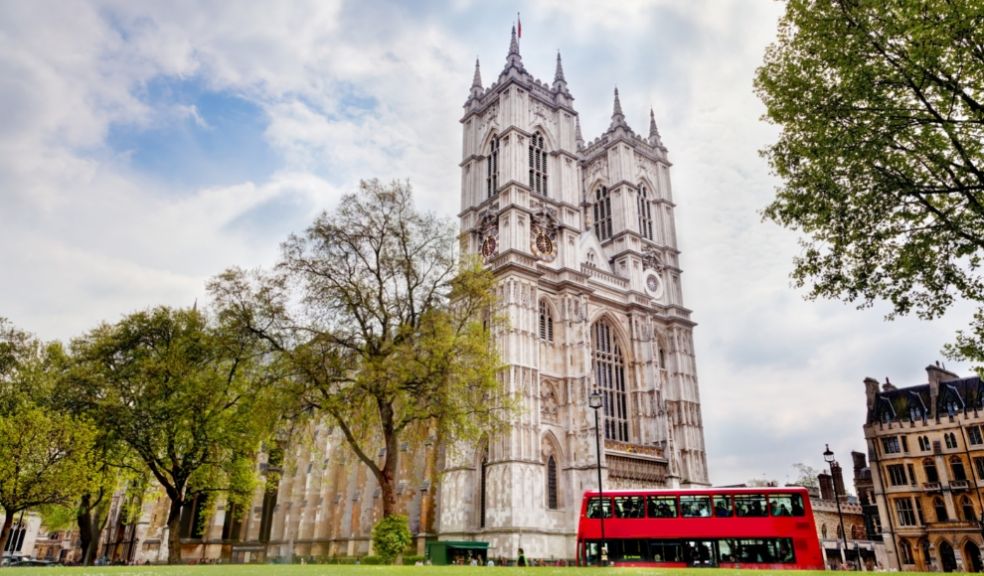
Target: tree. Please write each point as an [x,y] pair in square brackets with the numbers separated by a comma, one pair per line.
[45,455]
[379,326]
[881,153]
[192,399]
[806,475]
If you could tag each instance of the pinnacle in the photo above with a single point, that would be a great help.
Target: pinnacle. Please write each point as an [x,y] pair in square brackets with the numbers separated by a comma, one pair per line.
[477,80]
[513,58]
[617,116]
[654,138]
[559,74]
[577,132]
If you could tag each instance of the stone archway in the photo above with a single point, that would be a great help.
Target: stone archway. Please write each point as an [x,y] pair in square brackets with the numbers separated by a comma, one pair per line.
[972,557]
[947,559]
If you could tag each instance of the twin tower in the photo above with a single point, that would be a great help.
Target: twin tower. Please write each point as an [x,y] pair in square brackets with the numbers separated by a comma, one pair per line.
[582,241]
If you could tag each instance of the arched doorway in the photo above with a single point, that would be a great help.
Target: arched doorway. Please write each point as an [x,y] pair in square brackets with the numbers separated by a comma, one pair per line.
[947,560]
[972,557]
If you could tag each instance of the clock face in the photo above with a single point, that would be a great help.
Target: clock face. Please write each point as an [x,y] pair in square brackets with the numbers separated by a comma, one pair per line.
[544,245]
[489,247]
[653,286]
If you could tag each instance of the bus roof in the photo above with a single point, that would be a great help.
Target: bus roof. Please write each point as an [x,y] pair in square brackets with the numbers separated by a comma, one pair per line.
[700,491]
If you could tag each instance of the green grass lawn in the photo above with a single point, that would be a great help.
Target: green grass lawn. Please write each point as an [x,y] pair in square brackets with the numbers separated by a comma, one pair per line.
[327,569]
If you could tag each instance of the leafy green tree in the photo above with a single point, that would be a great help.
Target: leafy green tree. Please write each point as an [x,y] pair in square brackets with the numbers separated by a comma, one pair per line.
[45,455]
[382,330]
[391,536]
[190,398]
[881,153]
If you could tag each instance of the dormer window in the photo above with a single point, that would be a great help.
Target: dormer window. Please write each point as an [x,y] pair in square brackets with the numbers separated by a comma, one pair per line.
[602,214]
[492,167]
[538,164]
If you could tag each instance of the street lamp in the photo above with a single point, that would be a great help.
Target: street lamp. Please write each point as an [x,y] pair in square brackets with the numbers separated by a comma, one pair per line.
[595,401]
[828,457]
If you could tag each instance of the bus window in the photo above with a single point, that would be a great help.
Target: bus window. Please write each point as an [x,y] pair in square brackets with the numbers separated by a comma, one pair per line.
[780,504]
[723,506]
[595,508]
[695,506]
[665,551]
[763,551]
[750,505]
[726,551]
[796,508]
[629,507]
[662,507]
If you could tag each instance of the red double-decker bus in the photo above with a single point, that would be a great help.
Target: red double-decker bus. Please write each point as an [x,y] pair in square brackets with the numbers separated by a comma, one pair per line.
[726,527]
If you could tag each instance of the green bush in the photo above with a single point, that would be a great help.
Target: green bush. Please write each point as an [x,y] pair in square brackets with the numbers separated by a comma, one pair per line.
[372,560]
[391,536]
[410,560]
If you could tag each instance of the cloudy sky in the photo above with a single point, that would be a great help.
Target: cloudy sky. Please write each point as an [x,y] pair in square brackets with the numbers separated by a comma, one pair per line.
[145,147]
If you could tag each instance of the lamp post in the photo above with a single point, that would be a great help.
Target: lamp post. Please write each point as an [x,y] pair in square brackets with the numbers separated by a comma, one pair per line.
[828,457]
[595,401]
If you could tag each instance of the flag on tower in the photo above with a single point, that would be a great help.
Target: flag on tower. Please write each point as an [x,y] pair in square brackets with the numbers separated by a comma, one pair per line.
[519,26]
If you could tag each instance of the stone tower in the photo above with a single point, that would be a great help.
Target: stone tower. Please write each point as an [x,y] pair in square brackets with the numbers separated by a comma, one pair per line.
[582,241]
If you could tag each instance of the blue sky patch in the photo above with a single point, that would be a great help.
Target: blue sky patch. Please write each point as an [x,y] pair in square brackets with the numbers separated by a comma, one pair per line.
[223,144]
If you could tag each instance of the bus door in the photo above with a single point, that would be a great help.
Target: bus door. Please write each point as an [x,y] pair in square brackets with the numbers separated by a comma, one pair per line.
[699,553]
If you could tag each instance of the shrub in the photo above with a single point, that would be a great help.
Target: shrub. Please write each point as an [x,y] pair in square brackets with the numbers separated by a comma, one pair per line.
[391,536]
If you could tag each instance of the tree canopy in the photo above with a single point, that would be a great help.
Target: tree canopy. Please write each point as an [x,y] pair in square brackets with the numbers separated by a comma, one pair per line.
[384,333]
[45,455]
[192,399]
[881,151]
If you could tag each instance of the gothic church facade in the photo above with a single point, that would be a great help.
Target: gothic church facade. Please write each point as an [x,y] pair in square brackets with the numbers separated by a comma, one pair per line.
[582,241]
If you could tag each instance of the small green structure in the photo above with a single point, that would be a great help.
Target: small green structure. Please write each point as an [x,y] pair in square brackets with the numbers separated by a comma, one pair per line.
[443,552]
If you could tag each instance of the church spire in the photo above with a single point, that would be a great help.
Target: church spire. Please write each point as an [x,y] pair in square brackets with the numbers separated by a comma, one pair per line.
[476,87]
[618,119]
[654,139]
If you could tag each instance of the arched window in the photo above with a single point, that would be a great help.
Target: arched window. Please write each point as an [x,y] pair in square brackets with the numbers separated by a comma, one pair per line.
[603,214]
[538,164]
[929,467]
[551,483]
[905,551]
[492,167]
[940,507]
[609,370]
[956,465]
[546,322]
[823,531]
[840,532]
[645,214]
[968,509]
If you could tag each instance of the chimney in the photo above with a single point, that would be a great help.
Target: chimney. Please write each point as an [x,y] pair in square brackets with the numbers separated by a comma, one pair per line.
[860,461]
[937,374]
[826,486]
[871,390]
[839,480]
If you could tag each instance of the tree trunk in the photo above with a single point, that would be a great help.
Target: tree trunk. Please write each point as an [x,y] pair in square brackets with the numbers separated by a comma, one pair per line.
[90,522]
[8,521]
[174,531]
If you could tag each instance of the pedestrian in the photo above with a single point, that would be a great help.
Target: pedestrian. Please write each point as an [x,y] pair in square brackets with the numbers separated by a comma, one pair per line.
[522,558]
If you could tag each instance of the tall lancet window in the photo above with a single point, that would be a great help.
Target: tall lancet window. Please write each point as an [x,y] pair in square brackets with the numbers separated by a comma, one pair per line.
[645,214]
[546,322]
[609,371]
[603,214]
[492,167]
[538,164]
[551,483]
